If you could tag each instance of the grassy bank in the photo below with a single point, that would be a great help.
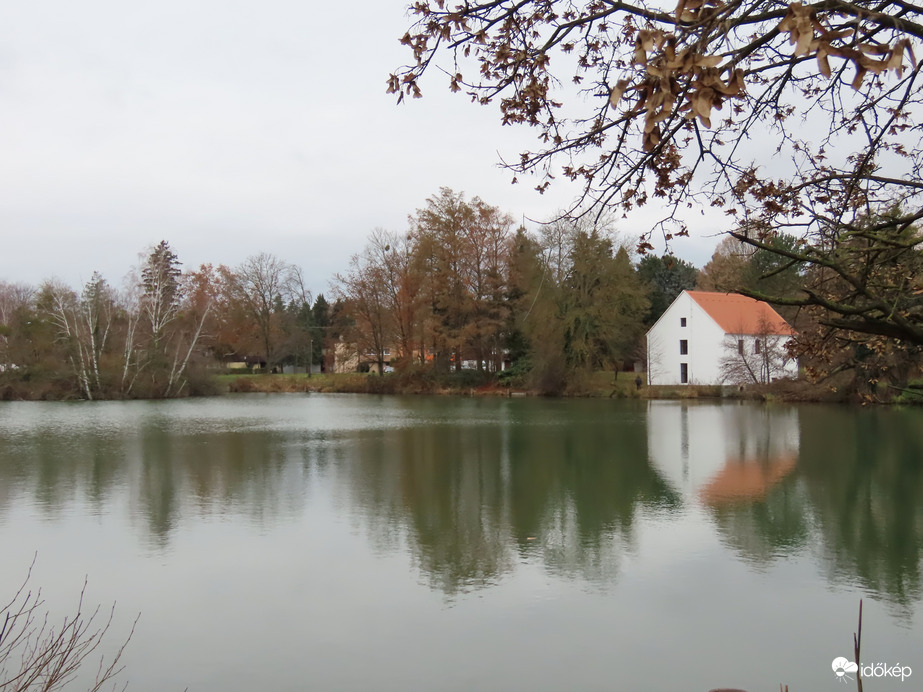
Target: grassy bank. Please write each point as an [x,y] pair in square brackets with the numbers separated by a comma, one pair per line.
[791,392]
[422,382]
[598,385]
[470,383]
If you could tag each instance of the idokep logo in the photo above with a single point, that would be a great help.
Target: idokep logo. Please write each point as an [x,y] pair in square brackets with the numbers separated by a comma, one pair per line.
[842,667]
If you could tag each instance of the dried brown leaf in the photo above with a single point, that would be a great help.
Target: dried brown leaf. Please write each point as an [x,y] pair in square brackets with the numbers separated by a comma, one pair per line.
[860,75]
[615,94]
[822,63]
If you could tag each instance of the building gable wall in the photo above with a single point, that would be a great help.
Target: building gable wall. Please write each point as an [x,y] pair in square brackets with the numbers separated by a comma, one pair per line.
[703,337]
[706,345]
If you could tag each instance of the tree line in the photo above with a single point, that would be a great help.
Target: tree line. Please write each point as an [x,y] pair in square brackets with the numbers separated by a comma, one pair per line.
[672,98]
[464,288]
[162,333]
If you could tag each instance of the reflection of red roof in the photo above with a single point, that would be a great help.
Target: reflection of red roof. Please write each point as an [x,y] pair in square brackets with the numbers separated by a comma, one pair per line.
[746,479]
[737,314]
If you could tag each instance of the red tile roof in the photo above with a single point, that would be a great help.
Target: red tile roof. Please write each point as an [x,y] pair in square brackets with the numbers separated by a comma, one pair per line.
[737,314]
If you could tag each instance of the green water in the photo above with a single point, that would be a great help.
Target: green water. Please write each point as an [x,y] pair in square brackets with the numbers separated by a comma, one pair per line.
[338,542]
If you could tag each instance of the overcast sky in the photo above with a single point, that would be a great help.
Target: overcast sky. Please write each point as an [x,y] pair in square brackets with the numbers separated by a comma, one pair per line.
[230,128]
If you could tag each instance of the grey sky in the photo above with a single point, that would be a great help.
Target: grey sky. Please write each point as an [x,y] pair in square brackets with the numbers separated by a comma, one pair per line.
[230,128]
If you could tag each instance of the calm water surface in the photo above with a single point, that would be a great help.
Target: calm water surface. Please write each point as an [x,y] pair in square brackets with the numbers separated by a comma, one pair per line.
[334,542]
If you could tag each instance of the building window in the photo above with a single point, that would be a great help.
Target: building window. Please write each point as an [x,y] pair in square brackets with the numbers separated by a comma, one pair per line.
[682,321]
[683,347]
[740,346]
[756,346]
[684,373]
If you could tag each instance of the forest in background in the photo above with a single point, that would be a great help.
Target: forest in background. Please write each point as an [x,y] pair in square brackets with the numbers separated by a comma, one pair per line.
[164,333]
[462,288]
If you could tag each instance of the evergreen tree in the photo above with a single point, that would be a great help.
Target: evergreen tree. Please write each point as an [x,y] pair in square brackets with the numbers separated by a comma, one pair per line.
[161,292]
[320,317]
[665,277]
[603,303]
[590,318]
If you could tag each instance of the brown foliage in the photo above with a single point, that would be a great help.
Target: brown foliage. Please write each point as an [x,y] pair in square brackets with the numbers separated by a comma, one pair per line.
[802,117]
[437,293]
[678,95]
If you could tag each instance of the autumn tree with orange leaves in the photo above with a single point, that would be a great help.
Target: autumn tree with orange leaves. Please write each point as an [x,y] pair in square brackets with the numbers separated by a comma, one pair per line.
[463,246]
[438,293]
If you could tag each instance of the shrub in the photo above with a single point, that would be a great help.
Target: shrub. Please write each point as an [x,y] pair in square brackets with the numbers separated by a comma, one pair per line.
[517,374]
[37,655]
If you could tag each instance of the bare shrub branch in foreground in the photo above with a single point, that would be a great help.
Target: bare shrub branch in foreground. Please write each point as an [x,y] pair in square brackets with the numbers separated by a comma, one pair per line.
[38,655]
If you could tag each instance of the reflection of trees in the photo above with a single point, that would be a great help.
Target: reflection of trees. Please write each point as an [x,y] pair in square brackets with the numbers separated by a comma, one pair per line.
[857,493]
[471,488]
[553,480]
[578,486]
[168,473]
[157,483]
[53,467]
[211,474]
[864,472]
[770,527]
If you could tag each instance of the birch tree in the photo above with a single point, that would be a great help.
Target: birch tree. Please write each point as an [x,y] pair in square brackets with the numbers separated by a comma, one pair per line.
[96,312]
[83,324]
[59,304]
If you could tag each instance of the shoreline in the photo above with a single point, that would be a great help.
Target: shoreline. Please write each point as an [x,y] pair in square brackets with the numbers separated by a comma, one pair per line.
[602,386]
[472,384]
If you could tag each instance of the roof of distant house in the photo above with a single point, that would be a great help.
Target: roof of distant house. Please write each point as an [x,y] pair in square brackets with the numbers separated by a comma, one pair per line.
[737,314]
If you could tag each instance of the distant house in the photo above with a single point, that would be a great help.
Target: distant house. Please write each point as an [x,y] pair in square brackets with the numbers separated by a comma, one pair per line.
[718,338]
[349,357]
[251,363]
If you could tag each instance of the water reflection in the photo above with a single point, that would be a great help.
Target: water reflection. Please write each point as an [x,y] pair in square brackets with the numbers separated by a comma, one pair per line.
[863,473]
[721,455]
[254,474]
[841,484]
[472,489]
[475,499]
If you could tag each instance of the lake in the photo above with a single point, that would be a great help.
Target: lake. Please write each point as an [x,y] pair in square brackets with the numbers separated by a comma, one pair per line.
[354,542]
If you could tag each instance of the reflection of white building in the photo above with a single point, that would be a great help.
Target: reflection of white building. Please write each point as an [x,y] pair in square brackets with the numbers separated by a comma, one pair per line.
[711,338]
[718,452]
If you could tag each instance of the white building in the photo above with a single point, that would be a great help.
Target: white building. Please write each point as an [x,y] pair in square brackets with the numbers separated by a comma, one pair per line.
[718,338]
